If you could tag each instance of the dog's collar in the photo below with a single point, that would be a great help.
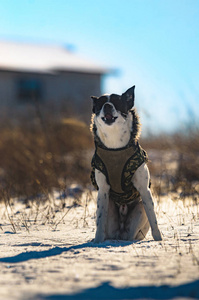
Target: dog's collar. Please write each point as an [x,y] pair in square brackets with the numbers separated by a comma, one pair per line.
[98,143]
[135,133]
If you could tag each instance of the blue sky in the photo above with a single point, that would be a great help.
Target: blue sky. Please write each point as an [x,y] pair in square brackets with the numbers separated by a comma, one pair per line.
[153,43]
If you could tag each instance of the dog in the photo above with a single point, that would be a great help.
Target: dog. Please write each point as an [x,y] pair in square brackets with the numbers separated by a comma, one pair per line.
[125,209]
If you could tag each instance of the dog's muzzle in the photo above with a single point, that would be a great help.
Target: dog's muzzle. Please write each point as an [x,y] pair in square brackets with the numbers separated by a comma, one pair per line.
[108,114]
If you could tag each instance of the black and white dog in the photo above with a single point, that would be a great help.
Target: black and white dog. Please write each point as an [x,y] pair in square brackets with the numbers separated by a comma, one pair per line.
[125,208]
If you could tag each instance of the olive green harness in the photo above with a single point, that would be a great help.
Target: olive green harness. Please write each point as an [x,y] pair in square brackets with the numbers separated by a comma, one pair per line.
[119,166]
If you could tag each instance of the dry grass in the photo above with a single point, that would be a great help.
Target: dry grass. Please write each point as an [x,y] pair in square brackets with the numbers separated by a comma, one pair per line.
[41,153]
[175,162]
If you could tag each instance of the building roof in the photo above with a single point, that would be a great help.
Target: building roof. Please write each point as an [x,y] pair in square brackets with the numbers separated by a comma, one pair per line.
[24,57]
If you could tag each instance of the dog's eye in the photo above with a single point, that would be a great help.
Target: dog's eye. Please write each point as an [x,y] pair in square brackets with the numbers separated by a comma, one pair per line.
[99,103]
[117,102]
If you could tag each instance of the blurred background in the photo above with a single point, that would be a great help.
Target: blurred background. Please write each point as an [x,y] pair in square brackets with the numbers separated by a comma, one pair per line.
[55,54]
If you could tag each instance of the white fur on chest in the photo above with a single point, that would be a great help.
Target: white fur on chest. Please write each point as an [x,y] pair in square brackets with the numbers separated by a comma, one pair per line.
[116,135]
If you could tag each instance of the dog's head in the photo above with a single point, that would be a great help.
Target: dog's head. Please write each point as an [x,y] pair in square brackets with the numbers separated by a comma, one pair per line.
[111,108]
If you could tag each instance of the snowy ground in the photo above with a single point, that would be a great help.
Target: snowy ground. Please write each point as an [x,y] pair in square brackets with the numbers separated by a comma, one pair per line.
[46,252]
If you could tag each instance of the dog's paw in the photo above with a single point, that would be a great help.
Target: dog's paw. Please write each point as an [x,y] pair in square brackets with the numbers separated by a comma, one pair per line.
[157,235]
[99,239]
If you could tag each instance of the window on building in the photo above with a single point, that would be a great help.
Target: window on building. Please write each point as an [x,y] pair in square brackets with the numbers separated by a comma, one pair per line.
[29,90]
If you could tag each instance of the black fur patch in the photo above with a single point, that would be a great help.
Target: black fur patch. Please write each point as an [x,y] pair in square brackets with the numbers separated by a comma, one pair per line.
[122,103]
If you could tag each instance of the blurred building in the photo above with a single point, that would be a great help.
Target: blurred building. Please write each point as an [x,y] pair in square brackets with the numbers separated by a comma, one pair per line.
[51,75]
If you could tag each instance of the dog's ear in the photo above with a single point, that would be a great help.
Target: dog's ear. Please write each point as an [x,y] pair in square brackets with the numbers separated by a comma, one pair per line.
[94,98]
[129,96]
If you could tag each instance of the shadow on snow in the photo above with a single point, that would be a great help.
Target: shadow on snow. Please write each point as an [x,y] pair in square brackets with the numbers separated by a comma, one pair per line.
[106,291]
[28,255]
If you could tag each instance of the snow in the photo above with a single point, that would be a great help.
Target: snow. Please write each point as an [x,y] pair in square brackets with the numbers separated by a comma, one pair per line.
[46,252]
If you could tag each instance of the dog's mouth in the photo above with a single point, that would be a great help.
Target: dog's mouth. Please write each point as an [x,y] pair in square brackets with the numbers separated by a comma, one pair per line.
[109,118]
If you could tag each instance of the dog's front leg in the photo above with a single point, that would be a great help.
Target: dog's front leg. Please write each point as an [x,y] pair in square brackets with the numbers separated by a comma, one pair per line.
[102,207]
[141,183]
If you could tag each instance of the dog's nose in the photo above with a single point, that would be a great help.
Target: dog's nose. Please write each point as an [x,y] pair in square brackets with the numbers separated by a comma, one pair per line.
[108,108]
